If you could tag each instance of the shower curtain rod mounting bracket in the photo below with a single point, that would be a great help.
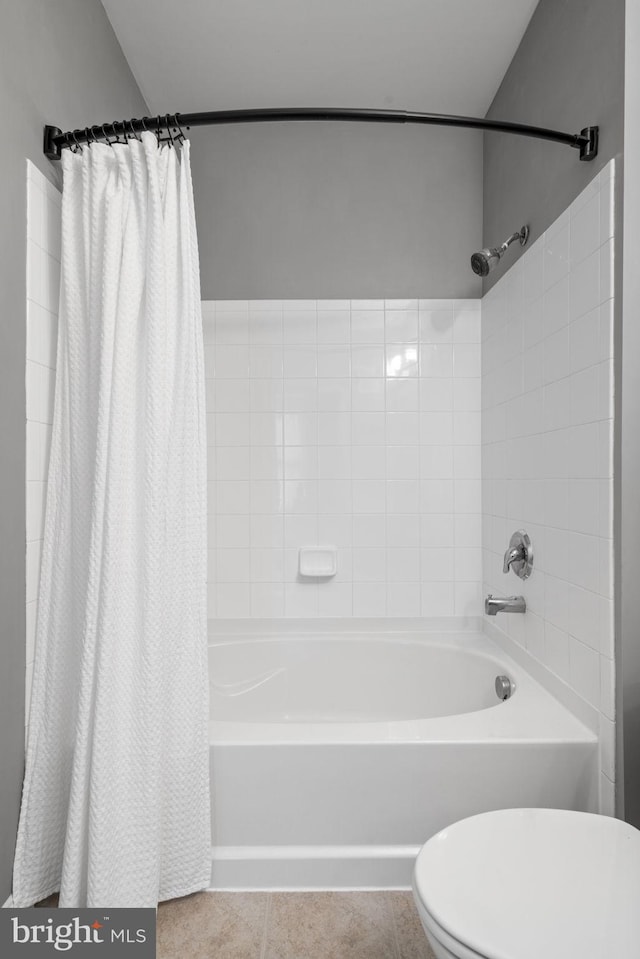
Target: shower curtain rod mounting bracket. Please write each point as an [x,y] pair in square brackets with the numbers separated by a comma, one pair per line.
[55,140]
[50,150]
[589,146]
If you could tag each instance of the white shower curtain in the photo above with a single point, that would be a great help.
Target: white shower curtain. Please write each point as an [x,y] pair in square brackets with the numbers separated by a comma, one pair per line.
[115,807]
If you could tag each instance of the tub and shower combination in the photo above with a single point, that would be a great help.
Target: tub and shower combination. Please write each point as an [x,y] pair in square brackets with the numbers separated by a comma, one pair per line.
[336,754]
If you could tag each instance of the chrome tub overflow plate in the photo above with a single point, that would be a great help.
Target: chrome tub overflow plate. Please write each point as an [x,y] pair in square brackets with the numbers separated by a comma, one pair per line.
[504,687]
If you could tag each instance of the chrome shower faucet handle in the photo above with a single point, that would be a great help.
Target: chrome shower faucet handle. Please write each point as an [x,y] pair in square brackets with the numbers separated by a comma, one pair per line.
[519,555]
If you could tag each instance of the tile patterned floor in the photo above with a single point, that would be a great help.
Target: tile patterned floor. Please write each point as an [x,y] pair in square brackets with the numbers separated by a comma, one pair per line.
[291,925]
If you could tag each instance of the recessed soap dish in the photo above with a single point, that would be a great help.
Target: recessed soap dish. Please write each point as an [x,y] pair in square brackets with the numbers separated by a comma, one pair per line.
[318,561]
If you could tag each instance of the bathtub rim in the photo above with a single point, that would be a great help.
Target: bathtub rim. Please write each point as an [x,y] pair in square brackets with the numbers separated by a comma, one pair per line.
[587,714]
[533,714]
[463,642]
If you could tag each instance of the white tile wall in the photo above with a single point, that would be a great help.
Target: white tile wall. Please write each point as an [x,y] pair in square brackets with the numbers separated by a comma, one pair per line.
[347,422]
[43,279]
[547,454]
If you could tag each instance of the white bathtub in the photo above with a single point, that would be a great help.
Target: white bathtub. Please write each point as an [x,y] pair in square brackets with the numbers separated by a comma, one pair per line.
[335,756]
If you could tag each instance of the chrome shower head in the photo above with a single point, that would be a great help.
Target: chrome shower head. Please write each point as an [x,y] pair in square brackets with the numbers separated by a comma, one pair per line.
[486,260]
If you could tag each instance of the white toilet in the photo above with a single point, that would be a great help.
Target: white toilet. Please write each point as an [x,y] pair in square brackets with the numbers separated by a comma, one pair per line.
[531,884]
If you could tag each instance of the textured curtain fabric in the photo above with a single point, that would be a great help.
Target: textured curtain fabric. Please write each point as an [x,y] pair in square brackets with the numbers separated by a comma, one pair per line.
[115,807]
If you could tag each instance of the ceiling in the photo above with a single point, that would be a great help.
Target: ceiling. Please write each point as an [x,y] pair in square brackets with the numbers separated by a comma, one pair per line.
[443,56]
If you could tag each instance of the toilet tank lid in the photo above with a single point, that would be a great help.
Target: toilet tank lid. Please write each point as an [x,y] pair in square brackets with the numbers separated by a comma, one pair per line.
[526,883]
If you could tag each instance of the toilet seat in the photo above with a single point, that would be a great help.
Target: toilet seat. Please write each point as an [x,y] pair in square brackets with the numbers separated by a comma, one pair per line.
[525,883]
[453,948]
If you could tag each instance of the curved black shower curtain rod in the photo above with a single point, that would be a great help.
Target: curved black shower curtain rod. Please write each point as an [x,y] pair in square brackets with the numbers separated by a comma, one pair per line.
[55,140]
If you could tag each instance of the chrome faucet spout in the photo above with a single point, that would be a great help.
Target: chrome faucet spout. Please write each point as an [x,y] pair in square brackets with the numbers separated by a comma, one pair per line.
[504,604]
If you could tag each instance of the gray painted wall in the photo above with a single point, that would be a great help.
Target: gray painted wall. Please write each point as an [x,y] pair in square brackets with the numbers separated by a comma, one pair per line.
[59,63]
[568,73]
[348,210]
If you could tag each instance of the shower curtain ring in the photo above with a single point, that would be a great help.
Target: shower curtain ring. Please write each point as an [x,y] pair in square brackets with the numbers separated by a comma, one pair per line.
[176,117]
[168,125]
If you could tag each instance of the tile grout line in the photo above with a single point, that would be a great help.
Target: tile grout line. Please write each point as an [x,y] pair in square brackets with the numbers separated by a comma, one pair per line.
[396,938]
[265,931]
